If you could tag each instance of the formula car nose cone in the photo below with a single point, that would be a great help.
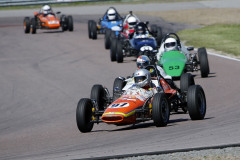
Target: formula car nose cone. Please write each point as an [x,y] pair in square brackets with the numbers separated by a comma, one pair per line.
[116,28]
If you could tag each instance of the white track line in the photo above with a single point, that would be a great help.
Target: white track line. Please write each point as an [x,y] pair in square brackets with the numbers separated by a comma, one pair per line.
[222,56]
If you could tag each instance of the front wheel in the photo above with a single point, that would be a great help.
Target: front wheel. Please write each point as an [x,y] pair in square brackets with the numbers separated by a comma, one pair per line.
[64,22]
[119,52]
[196,102]
[94,30]
[84,115]
[107,41]
[113,49]
[89,28]
[160,110]
[203,59]
[33,26]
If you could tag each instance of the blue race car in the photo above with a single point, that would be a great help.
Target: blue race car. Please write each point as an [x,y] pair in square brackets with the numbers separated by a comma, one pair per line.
[111,20]
[141,42]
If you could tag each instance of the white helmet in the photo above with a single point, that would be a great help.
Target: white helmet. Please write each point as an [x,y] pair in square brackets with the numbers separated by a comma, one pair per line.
[132,21]
[111,13]
[170,44]
[142,77]
[46,9]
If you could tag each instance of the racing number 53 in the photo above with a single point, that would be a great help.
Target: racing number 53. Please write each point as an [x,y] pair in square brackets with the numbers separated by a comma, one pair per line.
[173,67]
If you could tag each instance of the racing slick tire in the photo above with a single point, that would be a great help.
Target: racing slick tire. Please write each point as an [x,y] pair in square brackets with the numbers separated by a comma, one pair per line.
[94,30]
[26,24]
[113,49]
[98,94]
[186,80]
[119,52]
[33,26]
[118,83]
[84,115]
[159,36]
[89,28]
[160,110]
[70,23]
[64,22]
[153,29]
[107,41]
[196,102]
[203,60]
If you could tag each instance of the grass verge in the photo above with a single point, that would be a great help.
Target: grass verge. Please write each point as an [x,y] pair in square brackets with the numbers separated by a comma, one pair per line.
[220,27]
[221,37]
[110,2]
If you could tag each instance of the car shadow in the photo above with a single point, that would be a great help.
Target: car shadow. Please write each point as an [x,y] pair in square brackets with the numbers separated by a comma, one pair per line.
[149,125]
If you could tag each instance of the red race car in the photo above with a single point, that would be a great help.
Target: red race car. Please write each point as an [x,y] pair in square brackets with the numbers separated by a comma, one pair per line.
[136,104]
[48,20]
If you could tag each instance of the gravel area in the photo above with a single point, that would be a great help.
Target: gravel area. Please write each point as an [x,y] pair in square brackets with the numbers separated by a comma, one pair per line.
[231,153]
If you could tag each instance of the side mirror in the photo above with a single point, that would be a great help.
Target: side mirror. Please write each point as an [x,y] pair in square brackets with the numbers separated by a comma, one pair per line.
[147,22]
[58,12]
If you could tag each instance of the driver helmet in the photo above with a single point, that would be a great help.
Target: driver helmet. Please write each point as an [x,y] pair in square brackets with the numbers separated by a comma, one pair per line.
[170,44]
[111,13]
[142,77]
[132,21]
[140,28]
[46,9]
[142,61]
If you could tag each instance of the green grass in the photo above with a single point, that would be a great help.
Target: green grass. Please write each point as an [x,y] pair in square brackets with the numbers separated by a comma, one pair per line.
[221,37]
[109,2]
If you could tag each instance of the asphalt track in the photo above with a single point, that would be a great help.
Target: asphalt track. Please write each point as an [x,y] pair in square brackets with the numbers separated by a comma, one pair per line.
[43,76]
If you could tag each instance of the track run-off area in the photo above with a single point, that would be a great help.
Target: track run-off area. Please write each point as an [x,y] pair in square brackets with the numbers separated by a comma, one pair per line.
[43,76]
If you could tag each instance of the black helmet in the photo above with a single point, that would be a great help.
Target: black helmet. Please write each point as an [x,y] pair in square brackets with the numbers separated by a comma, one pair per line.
[140,28]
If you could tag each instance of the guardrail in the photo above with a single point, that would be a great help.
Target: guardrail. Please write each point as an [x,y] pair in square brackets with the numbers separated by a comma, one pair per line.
[8,3]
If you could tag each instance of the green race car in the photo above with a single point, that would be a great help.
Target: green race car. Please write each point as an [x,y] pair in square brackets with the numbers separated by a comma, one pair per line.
[182,60]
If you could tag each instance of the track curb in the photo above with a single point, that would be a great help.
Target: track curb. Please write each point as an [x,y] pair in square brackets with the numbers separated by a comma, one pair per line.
[162,152]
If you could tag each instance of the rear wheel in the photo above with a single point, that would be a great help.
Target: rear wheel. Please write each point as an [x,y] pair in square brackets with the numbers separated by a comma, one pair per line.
[94,30]
[26,24]
[153,29]
[119,52]
[107,41]
[98,94]
[113,49]
[186,81]
[203,59]
[70,23]
[196,102]
[89,28]
[84,115]
[118,85]
[33,26]
[159,36]
[160,110]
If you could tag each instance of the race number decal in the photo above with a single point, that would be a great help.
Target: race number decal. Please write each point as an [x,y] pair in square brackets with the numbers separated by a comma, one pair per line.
[119,105]
[173,67]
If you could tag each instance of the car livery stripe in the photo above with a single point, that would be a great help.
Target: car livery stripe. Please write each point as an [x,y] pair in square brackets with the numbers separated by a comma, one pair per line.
[120,113]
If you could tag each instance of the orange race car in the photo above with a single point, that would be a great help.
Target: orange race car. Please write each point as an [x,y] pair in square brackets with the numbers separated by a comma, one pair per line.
[135,104]
[47,20]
